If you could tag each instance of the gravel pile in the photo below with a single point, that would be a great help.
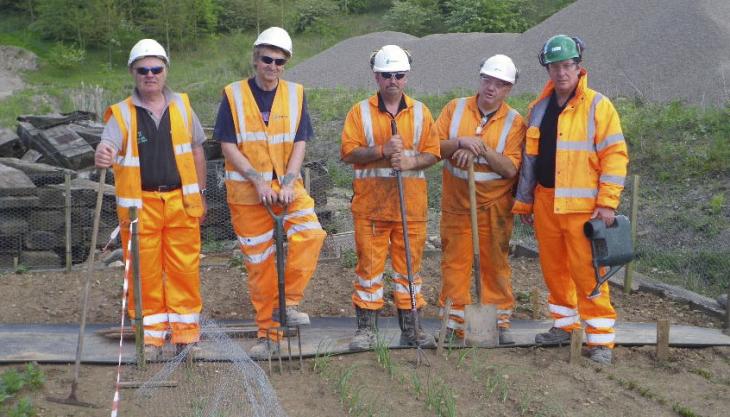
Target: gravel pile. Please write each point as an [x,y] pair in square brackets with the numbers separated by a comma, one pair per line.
[659,50]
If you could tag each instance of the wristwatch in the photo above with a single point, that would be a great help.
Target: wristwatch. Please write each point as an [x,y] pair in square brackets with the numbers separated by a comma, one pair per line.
[203,192]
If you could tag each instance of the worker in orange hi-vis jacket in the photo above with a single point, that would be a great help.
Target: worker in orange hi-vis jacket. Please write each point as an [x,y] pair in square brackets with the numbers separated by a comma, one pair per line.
[153,140]
[263,126]
[574,166]
[484,129]
[368,142]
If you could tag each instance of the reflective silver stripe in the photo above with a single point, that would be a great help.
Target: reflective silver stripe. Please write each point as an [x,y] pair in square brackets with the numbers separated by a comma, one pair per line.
[591,122]
[371,296]
[293,109]
[184,148]
[575,146]
[563,311]
[252,136]
[505,131]
[410,153]
[159,334]
[190,189]
[417,123]
[386,173]
[238,102]
[456,118]
[576,192]
[367,122]
[464,175]
[256,240]
[181,107]
[452,324]
[297,228]
[404,288]
[610,140]
[281,138]
[370,283]
[129,202]
[299,213]
[614,179]
[507,312]
[155,319]
[601,322]
[127,119]
[538,112]
[260,257]
[184,318]
[127,160]
[452,312]
[600,339]
[235,176]
[565,321]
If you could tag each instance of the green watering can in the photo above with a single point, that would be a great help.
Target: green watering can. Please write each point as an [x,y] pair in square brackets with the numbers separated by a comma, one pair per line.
[611,246]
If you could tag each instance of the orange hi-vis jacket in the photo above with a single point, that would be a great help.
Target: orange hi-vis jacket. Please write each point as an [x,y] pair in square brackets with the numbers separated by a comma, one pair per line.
[591,155]
[267,148]
[127,174]
[504,132]
[375,188]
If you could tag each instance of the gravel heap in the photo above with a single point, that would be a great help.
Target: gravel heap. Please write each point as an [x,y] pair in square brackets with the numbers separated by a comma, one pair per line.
[659,50]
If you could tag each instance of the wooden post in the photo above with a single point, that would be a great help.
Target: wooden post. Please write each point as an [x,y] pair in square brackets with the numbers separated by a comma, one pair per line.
[138,326]
[535,302]
[444,325]
[67,182]
[576,344]
[629,276]
[662,340]
[308,180]
[727,312]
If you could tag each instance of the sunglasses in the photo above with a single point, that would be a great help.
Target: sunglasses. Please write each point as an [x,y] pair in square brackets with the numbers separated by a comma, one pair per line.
[389,75]
[146,70]
[268,60]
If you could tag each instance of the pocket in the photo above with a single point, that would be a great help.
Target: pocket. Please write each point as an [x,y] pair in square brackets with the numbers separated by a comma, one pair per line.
[532,141]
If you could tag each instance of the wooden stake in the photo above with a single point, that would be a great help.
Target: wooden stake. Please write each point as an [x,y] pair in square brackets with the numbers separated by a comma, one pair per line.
[576,344]
[138,326]
[308,180]
[629,276]
[535,302]
[67,182]
[444,325]
[662,340]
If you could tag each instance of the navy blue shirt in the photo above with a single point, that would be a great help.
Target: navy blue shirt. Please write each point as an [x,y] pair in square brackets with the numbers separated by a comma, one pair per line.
[225,130]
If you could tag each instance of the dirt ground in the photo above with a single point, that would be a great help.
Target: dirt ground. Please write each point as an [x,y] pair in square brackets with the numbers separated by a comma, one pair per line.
[467,382]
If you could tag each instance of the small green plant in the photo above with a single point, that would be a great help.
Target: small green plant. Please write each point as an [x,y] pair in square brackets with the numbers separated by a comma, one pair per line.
[12,381]
[716,204]
[704,373]
[21,269]
[236,261]
[683,411]
[34,376]
[348,258]
[24,408]
[66,56]
[382,352]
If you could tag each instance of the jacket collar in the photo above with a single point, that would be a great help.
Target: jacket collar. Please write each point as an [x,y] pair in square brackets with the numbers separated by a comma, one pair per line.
[580,89]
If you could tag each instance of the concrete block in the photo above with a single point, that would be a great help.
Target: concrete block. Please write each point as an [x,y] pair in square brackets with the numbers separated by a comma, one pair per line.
[12,224]
[48,220]
[14,182]
[31,156]
[40,173]
[40,240]
[24,203]
[40,259]
[10,144]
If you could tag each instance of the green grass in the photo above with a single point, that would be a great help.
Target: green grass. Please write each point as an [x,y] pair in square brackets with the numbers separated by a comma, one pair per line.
[16,381]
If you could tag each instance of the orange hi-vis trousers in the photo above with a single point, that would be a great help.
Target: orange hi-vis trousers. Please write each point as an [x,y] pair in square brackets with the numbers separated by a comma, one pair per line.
[169,260]
[495,228]
[373,240]
[255,229]
[566,262]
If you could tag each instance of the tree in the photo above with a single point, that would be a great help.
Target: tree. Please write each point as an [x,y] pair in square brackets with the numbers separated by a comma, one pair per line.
[490,16]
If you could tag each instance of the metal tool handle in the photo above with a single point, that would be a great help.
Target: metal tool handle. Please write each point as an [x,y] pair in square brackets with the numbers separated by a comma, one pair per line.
[281,281]
[476,267]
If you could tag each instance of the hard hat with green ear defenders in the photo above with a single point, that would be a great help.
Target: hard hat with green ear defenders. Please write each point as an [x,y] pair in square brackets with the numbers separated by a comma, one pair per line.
[390,58]
[561,48]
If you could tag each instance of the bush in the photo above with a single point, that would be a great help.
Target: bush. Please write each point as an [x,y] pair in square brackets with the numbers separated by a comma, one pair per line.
[310,12]
[415,17]
[491,16]
[64,56]
[365,6]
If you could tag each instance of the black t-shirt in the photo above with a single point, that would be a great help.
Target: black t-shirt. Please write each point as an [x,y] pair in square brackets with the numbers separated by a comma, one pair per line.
[545,166]
[156,157]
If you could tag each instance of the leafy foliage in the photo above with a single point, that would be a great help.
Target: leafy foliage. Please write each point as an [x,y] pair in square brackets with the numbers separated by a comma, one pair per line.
[416,17]
[66,56]
[310,12]
[488,15]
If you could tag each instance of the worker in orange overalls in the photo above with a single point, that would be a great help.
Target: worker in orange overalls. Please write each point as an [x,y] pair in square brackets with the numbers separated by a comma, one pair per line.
[573,170]
[486,130]
[153,140]
[263,126]
[369,144]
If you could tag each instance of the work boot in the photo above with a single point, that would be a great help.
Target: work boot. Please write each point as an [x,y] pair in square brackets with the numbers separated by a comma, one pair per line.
[601,354]
[152,353]
[505,337]
[293,317]
[264,348]
[410,335]
[367,329]
[554,336]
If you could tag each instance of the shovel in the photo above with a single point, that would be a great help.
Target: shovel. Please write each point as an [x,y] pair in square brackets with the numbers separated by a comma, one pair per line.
[480,319]
[71,399]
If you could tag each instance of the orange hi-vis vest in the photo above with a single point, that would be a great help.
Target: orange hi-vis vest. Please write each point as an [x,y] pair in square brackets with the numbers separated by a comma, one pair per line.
[375,186]
[504,132]
[127,174]
[267,147]
[591,156]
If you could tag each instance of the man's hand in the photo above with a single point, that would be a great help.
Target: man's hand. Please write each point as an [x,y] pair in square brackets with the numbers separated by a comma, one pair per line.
[462,158]
[527,219]
[286,194]
[202,218]
[608,215]
[393,146]
[104,155]
[473,144]
[400,162]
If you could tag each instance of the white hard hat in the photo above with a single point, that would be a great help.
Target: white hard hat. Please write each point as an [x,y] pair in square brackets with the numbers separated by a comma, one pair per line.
[275,36]
[500,66]
[147,47]
[390,58]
